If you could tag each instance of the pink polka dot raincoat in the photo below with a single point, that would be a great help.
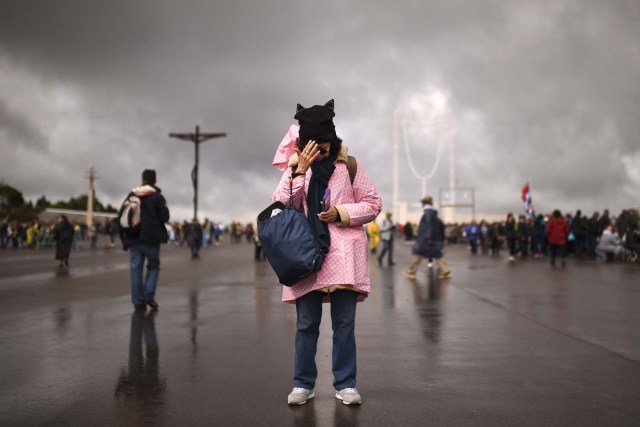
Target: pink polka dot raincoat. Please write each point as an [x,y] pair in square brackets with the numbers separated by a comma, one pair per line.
[345,266]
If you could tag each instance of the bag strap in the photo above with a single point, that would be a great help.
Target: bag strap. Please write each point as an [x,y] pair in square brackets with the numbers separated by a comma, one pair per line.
[291,192]
[352,168]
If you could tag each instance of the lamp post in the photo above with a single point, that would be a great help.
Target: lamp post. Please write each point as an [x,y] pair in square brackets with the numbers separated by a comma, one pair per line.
[91,175]
[196,138]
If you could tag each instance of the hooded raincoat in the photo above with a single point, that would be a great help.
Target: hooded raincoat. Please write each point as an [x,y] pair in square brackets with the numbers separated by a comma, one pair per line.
[346,264]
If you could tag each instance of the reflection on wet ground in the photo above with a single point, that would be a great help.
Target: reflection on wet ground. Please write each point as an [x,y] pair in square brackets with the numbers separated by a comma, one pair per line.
[426,298]
[498,344]
[140,387]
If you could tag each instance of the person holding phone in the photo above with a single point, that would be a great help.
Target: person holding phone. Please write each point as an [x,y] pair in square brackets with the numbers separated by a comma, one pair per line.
[314,161]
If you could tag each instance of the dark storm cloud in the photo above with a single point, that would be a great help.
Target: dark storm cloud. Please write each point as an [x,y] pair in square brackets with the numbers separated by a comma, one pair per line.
[544,92]
[16,128]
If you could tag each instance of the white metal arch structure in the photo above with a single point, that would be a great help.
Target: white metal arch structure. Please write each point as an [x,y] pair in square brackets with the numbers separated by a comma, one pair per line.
[435,122]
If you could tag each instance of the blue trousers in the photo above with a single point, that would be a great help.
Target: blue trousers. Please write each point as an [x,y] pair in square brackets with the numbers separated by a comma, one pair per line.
[387,246]
[144,290]
[343,317]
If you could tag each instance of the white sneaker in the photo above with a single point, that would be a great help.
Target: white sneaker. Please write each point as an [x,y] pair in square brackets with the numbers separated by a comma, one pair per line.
[299,396]
[349,396]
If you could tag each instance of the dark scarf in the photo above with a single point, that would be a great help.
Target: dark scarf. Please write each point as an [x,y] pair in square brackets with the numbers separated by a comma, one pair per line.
[318,183]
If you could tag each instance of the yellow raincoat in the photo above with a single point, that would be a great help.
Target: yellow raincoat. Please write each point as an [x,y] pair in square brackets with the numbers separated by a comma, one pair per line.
[373,231]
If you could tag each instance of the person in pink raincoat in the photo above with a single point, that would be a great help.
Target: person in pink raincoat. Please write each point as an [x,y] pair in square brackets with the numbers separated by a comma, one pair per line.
[313,159]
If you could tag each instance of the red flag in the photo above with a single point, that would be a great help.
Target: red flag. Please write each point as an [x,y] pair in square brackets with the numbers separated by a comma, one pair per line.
[525,192]
[526,199]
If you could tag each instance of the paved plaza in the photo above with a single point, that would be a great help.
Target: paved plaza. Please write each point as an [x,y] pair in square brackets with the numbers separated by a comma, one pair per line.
[499,344]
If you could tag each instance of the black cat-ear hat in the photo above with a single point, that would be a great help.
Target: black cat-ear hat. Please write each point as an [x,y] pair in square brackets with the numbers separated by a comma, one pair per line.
[315,121]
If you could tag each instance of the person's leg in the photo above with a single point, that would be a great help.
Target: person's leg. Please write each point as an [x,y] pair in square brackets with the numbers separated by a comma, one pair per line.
[443,268]
[385,248]
[474,246]
[309,315]
[512,247]
[591,244]
[415,264]
[152,251]
[563,254]
[391,252]
[553,249]
[136,264]
[343,320]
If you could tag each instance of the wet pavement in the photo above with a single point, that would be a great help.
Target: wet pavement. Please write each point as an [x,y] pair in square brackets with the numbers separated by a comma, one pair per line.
[498,344]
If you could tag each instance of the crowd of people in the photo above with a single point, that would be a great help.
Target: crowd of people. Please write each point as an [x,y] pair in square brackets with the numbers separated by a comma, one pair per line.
[598,236]
[34,234]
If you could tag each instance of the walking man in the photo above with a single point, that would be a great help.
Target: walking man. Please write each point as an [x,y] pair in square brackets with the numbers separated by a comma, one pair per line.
[143,240]
[194,238]
[429,241]
[386,235]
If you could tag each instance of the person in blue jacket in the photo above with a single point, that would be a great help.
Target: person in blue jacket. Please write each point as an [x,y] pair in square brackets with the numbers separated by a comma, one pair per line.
[429,241]
[473,234]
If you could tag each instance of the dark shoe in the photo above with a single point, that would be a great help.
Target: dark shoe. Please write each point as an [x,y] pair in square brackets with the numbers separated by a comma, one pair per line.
[66,262]
[380,262]
[154,305]
[140,308]
[392,263]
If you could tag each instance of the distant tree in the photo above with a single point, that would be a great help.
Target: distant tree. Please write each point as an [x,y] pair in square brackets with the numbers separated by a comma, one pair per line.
[25,213]
[10,198]
[80,204]
[110,209]
[42,203]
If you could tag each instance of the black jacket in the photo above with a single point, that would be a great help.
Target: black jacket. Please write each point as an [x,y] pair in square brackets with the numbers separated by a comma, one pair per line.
[580,226]
[510,230]
[430,235]
[154,214]
[194,235]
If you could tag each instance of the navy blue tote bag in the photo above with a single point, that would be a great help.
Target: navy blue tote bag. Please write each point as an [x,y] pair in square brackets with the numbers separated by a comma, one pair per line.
[288,243]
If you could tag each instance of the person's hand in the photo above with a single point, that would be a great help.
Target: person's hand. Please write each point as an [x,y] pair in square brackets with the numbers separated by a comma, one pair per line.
[329,216]
[307,156]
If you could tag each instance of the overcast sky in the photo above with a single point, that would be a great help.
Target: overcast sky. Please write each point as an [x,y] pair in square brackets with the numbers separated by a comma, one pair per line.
[541,91]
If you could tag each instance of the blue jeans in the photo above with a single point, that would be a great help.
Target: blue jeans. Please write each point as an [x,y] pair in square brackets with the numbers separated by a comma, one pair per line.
[343,319]
[195,251]
[142,291]
[387,246]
